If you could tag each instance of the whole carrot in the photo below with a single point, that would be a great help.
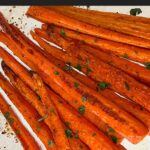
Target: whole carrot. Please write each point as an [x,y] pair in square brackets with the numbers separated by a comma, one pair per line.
[122,26]
[51,16]
[21,86]
[25,137]
[134,53]
[101,125]
[67,81]
[27,111]
[96,69]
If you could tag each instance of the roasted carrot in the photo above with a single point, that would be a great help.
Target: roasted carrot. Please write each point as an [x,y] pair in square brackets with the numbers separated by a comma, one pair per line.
[123,26]
[51,16]
[101,125]
[27,141]
[124,84]
[135,109]
[134,53]
[21,86]
[27,111]
[44,111]
[118,16]
[135,70]
[47,70]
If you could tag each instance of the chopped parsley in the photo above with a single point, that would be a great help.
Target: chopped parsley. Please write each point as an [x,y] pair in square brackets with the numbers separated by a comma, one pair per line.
[76,135]
[78,67]
[56,72]
[50,142]
[76,85]
[7,115]
[68,133]
[68,124]
[17,131]
[88,70]
[84,98]
[127,86]
[135,11]
[126,56]
[62,33]
[42,118]
[94,134]
[103,85]
[82,109]
[11,120]
[147,65]
[114,139]
[111,130]
[68,67]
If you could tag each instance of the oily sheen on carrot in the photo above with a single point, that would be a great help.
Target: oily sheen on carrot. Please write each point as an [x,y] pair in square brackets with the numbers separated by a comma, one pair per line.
[67,81]
[41,130]
[135,109]
[24,136]
[48,113]
[134,53]
[122,26]
[120,82]
[38,124]
[21,85]
[51,16]
[118,16]
[135,70]
[101,125]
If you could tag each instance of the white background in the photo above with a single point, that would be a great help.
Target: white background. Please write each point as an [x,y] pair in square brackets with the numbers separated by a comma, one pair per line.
[8,141]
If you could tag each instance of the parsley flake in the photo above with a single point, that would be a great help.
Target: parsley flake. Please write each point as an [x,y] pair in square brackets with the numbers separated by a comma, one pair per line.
[135,11]
[82,109]
[68,133]
[103,85]
[147,65]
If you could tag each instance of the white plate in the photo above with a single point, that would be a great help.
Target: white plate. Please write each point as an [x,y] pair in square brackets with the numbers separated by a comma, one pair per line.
[17,15]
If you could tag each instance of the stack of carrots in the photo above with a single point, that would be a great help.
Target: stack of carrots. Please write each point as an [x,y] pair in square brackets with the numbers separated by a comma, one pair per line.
[89,92]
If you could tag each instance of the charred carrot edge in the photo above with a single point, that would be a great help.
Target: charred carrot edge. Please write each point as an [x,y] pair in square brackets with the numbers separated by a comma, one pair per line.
[27,141]
[118,16]
[51,16]
[135,109]
[102,126]
[134,53]
[21,85]
[123,26]
[80,57]
[27,111]
[61,79]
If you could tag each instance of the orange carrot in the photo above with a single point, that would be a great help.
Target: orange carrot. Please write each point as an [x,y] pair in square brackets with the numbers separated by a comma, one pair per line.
[27,111]
[51,16]
[119,49]
[48,113]
[120,82]
[47,69]
[21,86]
[122,26]
[25,137]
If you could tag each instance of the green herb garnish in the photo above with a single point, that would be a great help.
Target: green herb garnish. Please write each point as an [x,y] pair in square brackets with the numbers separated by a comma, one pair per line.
[114,139]
[76,85]
[68,133]
[111,130]
[103,85]
[68,67]
[50,142]
[78,67]
[135,11]
[88,70]
[56,72]
[147,65]
[82,109]
[7,115]
[84,98]
[76,135]
[126,56]
[127,86]
[11,120]
[62,33]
